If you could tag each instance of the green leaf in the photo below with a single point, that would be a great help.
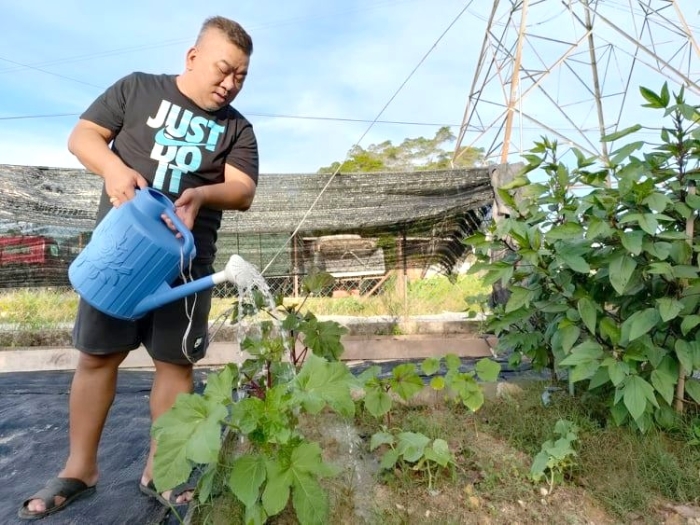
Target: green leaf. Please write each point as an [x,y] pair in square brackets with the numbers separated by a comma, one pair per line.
[692,388]
[657,202]
[519,297]
[309,500]
[453,362]
[437,383]
[610,330]
[588,312]
[654,100]
[370,373]
[381,438]
[600,378]
[517,182]
[323,338]
[539,466]
[664,383]
[277,489]
[681,252]
[684,272]
[669,308]
[689,323]
[307,459]
[639,323]
[389,459]
[569,336]
[439,452]
[585,352]
[190,430]
[488,370]
[660,268]
[254,515]
[205,483]
[316,282]
[649,223]
[632,241]
[405,381]
[220,385]
[658,249]
[611,137]
[625,151]
[248,472]
[637,392]
[672,236]
[693,200]
[575,262]
[684,352]
[377,401]
[584,371]
[598,229]
[170,465]
[469,391]
[621,270]
[565,232]
[320,382]
[618,371]
[411,445]
[430,366]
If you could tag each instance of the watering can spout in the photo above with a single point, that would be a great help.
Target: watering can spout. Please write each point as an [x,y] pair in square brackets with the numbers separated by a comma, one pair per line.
[166,294]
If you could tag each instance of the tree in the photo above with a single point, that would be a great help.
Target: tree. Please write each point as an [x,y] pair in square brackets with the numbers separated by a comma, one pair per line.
[412,154]
[605,286]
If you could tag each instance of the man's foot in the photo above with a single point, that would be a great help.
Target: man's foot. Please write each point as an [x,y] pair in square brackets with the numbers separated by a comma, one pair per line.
[56,495]
[180,495]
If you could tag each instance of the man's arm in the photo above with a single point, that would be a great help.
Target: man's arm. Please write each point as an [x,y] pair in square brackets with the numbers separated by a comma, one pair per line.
[235,193]
[89,142]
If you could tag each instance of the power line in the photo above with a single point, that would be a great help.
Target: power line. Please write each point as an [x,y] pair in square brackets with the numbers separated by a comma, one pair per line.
[474,129]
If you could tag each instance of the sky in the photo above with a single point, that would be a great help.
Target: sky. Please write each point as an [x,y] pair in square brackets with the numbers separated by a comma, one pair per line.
[316,67]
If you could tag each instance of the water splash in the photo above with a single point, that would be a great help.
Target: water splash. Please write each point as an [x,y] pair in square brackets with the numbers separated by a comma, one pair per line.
[248,280]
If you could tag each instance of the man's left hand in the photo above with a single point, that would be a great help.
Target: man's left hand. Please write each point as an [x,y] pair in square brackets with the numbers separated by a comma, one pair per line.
[186,208]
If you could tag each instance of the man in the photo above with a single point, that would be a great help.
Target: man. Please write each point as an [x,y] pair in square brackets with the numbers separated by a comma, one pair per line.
[179,135]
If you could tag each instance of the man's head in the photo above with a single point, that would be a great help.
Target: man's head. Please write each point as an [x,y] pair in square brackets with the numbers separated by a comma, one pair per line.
[217,65]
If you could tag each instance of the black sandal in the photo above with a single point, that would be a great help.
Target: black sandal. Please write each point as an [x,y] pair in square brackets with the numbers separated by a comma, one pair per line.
[69,488]
[151,491]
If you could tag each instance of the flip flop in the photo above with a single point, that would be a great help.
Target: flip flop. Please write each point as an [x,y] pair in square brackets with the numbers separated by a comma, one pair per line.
[69,488]
[150,490]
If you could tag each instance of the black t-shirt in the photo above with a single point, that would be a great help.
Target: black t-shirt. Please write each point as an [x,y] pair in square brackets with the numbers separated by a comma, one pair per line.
[174,144]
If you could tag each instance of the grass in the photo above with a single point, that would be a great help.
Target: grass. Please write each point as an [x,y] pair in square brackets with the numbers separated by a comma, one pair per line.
[46,307]
[626,472]
[30,308]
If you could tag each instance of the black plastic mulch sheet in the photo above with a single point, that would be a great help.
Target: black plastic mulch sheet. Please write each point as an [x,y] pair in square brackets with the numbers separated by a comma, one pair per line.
[34,446]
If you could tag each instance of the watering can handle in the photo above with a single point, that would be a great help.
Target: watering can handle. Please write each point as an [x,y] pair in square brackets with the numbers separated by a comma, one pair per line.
[187,239]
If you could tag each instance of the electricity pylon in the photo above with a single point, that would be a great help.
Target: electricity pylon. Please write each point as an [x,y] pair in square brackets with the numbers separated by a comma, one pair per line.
[571,70]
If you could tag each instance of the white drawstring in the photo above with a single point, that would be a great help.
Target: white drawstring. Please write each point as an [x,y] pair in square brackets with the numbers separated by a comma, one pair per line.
[188,312]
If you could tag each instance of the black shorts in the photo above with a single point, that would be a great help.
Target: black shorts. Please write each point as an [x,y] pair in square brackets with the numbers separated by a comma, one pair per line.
[161,331]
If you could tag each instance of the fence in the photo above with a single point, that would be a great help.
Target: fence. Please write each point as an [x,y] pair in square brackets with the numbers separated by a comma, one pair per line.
[377,234]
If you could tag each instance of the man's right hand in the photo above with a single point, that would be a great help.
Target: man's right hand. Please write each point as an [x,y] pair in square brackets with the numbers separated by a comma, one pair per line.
[121,183]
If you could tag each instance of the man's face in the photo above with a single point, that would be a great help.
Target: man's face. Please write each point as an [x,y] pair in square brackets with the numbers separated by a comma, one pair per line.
[217,69]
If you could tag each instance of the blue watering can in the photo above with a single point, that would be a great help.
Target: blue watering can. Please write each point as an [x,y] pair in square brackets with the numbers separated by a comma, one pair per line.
[133,257]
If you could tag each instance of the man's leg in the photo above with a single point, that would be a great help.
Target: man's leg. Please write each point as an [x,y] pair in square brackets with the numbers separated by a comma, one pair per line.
[91,395]
[170,380]
[176,337]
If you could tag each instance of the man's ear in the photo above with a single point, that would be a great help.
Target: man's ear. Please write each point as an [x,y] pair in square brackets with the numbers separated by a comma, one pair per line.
[190,57]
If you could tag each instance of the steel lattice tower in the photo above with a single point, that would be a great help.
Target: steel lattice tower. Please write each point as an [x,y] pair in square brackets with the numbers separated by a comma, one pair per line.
[571,70]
